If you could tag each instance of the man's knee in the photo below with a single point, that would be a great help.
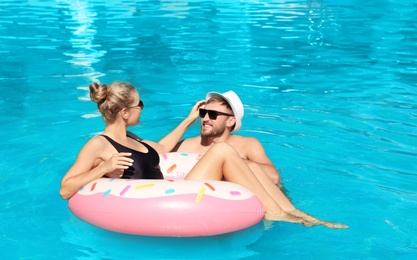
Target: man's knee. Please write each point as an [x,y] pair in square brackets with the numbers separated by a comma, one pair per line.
[223,148]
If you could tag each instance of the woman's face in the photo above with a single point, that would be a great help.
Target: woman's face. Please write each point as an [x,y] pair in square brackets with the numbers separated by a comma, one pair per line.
[135,110]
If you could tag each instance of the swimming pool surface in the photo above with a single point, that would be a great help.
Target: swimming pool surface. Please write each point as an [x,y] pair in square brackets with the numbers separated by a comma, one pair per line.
[329,88]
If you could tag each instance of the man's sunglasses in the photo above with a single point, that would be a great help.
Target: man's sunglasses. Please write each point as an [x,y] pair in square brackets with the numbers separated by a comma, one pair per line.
[212,113]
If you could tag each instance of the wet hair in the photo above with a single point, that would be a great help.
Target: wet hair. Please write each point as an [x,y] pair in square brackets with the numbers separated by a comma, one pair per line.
[112,98]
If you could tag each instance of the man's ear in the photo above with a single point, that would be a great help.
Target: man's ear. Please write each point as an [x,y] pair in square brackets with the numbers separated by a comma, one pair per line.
[231,121]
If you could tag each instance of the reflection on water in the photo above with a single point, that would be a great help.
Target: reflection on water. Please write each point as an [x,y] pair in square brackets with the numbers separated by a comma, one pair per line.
[178,9]
[84,51]
[100,243]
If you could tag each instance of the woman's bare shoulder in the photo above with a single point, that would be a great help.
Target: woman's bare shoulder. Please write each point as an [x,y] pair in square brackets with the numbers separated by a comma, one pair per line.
[97,142]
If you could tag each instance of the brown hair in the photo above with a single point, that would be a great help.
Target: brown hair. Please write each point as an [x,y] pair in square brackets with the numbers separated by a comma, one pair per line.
[112,98]
[220,100]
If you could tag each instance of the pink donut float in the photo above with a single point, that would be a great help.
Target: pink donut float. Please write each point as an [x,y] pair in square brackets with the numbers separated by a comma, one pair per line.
[170,207]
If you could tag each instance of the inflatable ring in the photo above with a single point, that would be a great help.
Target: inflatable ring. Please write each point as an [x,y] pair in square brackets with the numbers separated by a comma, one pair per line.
[170,207]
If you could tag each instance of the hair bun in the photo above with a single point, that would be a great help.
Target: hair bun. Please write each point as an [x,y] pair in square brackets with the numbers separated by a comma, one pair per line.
[98,92]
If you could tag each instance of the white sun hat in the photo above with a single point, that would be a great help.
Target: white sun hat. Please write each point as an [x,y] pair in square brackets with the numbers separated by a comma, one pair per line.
[234,101]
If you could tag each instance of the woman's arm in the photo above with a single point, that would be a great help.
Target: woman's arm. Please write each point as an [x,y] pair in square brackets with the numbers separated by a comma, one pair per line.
[167,143]
[89,166]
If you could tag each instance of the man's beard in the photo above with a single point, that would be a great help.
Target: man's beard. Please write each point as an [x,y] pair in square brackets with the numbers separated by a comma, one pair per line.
[214,132]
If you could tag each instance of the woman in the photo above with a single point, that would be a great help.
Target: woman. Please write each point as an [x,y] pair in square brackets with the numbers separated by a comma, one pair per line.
[116,153]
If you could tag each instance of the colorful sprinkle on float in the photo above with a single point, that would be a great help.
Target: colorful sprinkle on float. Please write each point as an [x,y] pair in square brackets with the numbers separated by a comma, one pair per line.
[170,207]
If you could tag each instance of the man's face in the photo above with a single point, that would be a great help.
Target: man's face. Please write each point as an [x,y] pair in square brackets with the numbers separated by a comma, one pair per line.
[215,127]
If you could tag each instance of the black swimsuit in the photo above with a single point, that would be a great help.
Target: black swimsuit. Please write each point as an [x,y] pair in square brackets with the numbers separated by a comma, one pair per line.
[145,165]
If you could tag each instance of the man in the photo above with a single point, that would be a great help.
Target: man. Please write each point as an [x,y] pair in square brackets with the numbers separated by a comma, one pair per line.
[221,115]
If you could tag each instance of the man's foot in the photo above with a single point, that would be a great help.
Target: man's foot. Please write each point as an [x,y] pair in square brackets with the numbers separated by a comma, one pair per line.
[313,221]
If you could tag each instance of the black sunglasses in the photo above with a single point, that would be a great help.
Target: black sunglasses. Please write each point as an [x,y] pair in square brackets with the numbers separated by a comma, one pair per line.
[140,105]
[211,113]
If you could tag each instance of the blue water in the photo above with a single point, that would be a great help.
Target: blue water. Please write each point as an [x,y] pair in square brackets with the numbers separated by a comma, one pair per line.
[329,88]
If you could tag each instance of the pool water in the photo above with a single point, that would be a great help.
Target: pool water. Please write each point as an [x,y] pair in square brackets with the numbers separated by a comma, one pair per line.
[329,88]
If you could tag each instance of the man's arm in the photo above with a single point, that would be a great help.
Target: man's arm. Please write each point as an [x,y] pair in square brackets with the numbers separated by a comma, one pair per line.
[255,153]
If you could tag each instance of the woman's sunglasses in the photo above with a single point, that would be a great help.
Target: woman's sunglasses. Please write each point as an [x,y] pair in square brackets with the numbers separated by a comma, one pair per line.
[140,105]
[211,113]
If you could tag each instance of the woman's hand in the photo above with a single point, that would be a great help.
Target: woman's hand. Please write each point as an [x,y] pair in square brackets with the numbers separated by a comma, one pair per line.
[116,165]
